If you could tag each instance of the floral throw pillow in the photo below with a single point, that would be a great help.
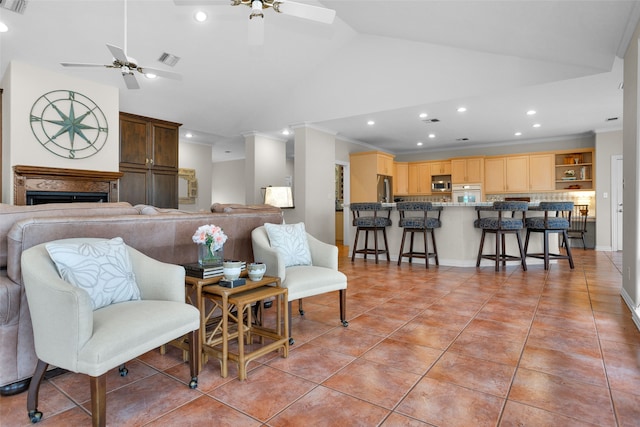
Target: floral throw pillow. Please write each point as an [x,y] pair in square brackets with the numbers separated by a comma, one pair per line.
[290,240]
[103,269]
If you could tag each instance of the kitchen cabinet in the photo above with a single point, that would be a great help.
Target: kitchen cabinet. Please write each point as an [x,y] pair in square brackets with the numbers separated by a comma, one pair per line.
[364,170]
[420,178]
[148,161]
[541,172]
[516,174]
[401,178]
[494,175]
[441,168]
[574,170]
[467,171]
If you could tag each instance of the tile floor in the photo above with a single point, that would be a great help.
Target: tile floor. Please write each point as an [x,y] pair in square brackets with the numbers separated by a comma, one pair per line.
[438,347]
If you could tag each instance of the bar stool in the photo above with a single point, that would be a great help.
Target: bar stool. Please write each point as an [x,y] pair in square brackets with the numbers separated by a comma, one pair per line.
[366,218]
[423,224]
[500,226]
[556,223]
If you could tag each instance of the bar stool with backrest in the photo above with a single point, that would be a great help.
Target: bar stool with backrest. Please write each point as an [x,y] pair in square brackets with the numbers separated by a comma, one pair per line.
[556,219]
[578,224]
[507,222]
[370,217]
[414,218]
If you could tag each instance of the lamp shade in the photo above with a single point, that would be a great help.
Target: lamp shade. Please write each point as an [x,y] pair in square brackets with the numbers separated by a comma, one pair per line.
[281,197]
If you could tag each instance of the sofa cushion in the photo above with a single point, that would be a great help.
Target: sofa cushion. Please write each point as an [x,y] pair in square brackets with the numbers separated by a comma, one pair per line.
[290,240]
[103,269]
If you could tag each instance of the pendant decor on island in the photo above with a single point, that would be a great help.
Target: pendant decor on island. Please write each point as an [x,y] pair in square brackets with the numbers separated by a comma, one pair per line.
[210,239]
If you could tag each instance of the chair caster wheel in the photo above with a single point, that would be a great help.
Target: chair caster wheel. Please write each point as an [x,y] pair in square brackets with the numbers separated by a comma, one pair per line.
[301,312]
[193,383]
[268,304]
[123,371]
[35,416]
[291,341]
[345,323]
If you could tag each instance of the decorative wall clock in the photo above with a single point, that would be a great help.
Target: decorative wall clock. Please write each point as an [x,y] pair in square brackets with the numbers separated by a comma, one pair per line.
[69,124]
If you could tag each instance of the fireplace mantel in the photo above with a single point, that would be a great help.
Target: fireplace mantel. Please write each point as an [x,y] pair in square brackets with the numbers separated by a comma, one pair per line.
[35,178]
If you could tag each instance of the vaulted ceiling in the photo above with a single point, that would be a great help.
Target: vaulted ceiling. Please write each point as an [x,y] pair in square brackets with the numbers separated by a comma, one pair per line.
[385,61]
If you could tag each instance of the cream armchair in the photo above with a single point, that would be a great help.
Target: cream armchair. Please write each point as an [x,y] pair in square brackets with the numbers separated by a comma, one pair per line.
[304,280]
[70,334]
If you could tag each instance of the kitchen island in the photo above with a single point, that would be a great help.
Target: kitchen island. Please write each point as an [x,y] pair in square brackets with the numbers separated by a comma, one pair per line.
[458,240]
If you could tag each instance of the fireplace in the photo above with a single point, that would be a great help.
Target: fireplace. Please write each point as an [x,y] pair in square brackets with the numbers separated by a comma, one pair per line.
[36,185]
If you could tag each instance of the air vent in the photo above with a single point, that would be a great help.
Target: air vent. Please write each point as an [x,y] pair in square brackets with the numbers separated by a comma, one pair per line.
[462,139]
[14,5]
[611,119]
[169,59]
[431,120]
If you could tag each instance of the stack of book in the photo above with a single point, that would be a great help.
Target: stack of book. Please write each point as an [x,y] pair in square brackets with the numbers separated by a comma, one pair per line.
[206,272]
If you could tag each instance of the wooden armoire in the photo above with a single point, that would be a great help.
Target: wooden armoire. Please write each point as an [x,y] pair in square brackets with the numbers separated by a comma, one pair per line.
[149,161]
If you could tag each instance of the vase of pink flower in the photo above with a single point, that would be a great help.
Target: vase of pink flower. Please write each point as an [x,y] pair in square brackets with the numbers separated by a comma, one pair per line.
[210,239]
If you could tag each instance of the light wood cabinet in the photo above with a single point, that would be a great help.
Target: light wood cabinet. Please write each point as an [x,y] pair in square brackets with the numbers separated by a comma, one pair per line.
[494,175]
[364,171]
[420,178]
[148,161]
[401,178]
[517,174]
[574,170]
[467,171]
[441,168]
[541,172]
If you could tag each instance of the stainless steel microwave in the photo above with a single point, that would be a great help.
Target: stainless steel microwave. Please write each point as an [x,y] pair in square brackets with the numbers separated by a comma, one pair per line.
[444,186]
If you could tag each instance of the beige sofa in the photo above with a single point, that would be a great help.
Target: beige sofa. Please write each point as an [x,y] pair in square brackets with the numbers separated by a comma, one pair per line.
[163,234]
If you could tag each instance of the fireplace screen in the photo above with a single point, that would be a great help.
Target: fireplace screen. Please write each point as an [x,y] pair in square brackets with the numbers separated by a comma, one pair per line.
[42,197]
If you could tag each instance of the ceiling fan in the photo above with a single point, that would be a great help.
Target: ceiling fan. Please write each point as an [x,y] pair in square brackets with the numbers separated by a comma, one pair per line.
[256,23]
[128,66]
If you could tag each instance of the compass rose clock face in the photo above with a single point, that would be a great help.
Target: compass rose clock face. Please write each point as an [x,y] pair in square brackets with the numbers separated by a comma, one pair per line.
[69,124]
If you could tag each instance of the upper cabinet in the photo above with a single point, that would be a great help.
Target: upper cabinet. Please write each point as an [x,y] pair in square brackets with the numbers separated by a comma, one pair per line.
[401,178]
[467,171]
[441,168]
[365,168]
[574,170]
[519,173]
[420,178]
[541,172]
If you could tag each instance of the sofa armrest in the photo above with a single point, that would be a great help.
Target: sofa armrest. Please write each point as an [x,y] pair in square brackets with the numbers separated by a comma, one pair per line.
[263,252]
[157,280]
[61,314]
[323,254]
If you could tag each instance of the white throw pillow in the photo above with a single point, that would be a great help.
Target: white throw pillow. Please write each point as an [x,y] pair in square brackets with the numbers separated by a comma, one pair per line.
[102,268]
[290,240]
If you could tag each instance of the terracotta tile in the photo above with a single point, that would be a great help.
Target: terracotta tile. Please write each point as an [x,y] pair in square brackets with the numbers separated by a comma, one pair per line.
[202,411]
[403,355]
[485,347]
[347,341]
[312,362]
[627,408]
[264,393]
[565,341]
[395,311]
[572,366]
[442,403]
[477,374]
[399,420]
[378,384]
[429,336]
[574,399]
[323,407]
[507,331]
[518,415]
[51,402]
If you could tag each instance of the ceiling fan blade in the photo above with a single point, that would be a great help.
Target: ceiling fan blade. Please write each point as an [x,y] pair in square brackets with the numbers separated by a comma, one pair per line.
[76,64]
[118,53]
[160,73]
[306,11]
[256,31]
[130,81]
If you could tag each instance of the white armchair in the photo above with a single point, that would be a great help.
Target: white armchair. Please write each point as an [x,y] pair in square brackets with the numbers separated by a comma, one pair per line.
[303,281]
[70,334]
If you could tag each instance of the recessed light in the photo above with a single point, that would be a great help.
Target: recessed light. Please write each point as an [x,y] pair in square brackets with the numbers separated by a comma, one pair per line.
[150,75]
[3,27]
[200,16]
[537,125]
[286,132]
[423,115]
[419,144]
[371,123]
[518,134]
[432,135]
[531,112]
[462,109]
[188,135]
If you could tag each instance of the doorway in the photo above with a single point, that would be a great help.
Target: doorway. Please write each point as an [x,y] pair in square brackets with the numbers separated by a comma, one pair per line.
[342,198]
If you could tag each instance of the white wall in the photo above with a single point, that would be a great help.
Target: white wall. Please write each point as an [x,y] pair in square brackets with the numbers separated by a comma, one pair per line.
[198,157]
[607,145]
[23,84]
[228,182]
